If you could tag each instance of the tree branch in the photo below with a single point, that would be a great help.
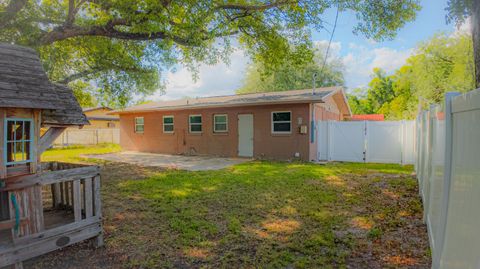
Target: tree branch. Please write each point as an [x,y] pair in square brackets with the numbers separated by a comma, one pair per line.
[62,33]
[11,10]
[256,7]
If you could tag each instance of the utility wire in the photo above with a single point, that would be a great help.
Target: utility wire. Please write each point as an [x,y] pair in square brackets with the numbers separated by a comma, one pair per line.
[330,42]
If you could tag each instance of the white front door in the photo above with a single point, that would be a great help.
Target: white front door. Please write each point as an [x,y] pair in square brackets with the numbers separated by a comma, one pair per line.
[245,135]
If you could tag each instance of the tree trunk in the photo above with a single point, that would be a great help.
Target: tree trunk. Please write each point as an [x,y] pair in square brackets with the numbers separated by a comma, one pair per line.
[476,39]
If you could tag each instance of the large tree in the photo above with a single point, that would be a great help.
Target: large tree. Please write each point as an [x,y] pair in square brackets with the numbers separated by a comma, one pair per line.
[329,72]
[459,11]
[441,64]
[122,46]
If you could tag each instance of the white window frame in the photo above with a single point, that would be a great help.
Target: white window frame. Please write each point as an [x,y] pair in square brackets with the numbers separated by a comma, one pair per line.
[168,124]
[272,122]
[22,140]
[137,124]
[190,123]
[215,123]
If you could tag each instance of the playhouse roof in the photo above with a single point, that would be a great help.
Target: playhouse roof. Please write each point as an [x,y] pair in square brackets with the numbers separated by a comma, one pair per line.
[24,84]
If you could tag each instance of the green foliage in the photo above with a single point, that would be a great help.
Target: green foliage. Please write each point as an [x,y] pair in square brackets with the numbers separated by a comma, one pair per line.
[459,10]
[442,64]
[121,46]
[294,77]
[84,93]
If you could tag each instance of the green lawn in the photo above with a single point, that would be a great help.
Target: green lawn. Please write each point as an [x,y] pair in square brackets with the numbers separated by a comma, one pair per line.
[255,215]
[72,153]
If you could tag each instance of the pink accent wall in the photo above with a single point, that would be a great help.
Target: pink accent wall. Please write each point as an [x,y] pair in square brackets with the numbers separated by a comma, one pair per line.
[266,145]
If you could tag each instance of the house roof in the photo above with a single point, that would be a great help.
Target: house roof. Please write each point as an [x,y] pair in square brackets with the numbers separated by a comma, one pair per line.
[87,109]
[283,97]
[24,84]
[372,117]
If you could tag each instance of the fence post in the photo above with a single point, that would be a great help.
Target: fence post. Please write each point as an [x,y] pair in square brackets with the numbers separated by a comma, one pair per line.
[449,96]
[329,141]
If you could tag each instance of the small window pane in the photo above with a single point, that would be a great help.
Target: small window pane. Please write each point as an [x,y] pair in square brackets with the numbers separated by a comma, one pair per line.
[196,128]
[281,127]
[281,116]
[220,118]
[18,130]
[139,120]
[10,151]
[168,120]
[139,128]
[168,128]
[26,135]
[195,119]
[220,127]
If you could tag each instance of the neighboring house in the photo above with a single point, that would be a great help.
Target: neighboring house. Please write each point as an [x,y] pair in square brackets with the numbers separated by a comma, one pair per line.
[274,125]
[370,117]
[99,119]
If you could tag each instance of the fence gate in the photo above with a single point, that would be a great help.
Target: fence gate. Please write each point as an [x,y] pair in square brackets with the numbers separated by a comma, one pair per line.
[366,141]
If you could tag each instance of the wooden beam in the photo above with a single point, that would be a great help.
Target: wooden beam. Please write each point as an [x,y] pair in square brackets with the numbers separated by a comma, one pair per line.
[48,138]
[51,177]
[98,207]
[77,200]
[38,244]
[88,198]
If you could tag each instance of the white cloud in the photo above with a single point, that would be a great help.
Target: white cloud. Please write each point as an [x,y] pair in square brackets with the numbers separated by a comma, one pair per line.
[223,79]
[360,61]
[219,79]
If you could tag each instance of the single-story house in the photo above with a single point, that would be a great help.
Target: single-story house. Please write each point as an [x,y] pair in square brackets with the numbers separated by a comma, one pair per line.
[99,119]
[273,125]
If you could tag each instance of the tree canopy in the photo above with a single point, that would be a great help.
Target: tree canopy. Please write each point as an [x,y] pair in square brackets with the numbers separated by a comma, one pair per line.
[121,47]
[441,64]
[290,77]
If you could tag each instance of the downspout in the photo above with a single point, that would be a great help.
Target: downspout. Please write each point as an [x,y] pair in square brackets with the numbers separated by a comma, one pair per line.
[312,121]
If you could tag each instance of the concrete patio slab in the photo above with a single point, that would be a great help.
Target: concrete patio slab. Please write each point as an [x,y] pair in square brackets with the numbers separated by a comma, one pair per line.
[190,163]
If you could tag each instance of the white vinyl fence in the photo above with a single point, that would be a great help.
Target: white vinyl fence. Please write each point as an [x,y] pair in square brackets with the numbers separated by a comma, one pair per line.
[367,141]
[88,137]
[448,171]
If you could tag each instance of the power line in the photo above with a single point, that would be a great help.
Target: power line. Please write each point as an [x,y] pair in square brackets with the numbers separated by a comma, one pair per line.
[330,41]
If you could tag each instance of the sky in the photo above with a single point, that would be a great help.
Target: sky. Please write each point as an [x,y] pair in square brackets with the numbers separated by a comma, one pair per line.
[359,55]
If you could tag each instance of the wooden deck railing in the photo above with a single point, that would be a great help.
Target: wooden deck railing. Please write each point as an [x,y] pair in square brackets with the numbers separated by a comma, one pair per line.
[74,191]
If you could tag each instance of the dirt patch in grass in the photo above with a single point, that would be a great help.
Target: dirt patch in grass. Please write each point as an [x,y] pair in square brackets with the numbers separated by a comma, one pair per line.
[256,215]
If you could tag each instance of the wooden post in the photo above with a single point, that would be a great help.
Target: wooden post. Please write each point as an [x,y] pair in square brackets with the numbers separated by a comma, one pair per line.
[98,208]
[77,200]
[88,198]
[3,169]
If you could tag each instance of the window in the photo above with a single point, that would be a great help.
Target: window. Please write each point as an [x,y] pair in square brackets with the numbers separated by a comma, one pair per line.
[19,141]
[139,125]
[282,122]
[168,124]
[220,123]
[195,123]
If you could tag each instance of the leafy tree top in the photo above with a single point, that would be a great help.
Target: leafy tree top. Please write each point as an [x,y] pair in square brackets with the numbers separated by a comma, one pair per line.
[123,45]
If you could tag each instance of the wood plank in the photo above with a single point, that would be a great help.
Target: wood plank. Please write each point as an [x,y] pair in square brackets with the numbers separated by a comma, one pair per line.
[42,245]
[98,207]
[88,198]
[9,224]
[51,177]
[3,169]
[29,239]
[57,199]
[77,200]
[67,194]
[34,155]
[49,137]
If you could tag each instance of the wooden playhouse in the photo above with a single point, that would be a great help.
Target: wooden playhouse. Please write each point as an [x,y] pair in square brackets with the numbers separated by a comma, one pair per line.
[43,206]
